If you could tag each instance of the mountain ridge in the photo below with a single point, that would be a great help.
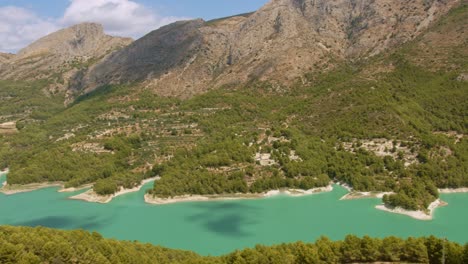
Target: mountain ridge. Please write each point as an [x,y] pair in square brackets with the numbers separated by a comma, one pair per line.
[279,42]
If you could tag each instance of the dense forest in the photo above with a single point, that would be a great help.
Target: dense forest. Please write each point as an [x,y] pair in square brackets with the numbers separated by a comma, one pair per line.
[402,129]
[319,143]
[42,245]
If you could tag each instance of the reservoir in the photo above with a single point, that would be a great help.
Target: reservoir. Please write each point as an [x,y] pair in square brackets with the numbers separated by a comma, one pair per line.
[215,228]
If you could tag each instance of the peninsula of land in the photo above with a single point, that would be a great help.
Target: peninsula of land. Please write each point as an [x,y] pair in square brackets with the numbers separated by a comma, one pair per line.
[419,215]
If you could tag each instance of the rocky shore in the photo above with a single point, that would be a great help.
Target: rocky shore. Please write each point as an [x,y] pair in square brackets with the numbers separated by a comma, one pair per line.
[456,190]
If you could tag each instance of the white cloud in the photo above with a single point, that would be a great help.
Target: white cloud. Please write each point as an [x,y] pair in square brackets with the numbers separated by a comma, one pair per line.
[19,26]
[119,17]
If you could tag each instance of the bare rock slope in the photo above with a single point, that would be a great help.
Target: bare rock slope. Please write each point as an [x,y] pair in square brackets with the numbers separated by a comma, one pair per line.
[5,57]
[278,43]
[59,55]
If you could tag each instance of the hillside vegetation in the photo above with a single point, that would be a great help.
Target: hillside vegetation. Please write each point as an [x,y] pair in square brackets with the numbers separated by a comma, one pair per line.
[42,245]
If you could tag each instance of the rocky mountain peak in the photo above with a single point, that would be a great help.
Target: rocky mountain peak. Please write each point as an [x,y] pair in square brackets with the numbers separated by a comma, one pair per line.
[84,39]
[64,51]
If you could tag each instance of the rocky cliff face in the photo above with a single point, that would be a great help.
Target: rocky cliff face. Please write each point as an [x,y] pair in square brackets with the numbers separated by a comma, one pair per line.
[286,38]
[278,43]
[60,54]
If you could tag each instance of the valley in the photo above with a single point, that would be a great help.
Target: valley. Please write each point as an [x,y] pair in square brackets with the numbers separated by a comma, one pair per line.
[311,114]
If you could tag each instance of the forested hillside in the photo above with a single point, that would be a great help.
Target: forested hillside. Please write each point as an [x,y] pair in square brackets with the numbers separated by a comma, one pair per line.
[42,245]
[210,144]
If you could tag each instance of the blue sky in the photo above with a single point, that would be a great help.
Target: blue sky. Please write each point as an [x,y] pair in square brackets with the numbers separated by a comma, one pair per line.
[23,21]
[206,9]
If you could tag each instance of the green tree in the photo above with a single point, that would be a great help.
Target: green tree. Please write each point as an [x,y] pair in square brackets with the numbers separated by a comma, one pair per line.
[370,249]
[327,250]
[391,249]
[435,249]
[351,249]
[415,251]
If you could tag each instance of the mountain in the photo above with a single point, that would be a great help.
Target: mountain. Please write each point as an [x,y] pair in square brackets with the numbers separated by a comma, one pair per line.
[58,56]
[278,43]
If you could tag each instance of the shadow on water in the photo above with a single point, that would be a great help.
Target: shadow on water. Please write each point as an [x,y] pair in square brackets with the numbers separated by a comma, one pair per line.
[231,205]
[224,218]
[66,222]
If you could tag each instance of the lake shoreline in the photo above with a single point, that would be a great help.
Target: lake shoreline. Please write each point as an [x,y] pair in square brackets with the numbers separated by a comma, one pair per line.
[239,196]
[3,173]
[8,189]
[419,215]
[453,190]
[75,189]
[17,189]
[92,197]
[353,195]
[363,195]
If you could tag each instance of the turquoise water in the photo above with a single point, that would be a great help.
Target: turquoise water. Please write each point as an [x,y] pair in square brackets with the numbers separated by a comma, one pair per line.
[220,227]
